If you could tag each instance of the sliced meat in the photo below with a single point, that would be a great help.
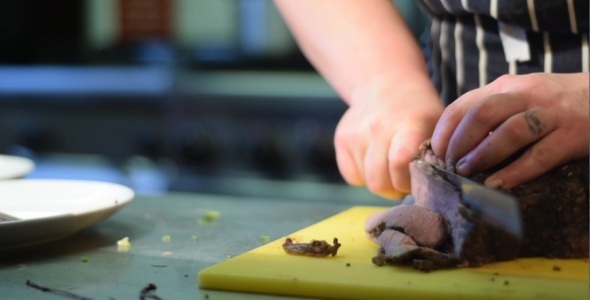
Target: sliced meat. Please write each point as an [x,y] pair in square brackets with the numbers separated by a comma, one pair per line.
[426,227]
[421,258]
[473,242]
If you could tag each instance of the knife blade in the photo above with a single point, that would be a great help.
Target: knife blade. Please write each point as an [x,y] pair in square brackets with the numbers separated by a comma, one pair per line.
[493,207]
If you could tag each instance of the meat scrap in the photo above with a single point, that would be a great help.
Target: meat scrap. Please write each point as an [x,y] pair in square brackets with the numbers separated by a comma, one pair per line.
[316,248]
[554,210]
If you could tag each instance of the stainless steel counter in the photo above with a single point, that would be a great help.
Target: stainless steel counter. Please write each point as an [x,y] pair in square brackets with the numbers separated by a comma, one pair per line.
[89,264]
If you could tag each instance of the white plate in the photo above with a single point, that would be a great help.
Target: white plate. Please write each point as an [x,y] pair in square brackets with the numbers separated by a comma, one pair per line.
[48,210]
[12,167]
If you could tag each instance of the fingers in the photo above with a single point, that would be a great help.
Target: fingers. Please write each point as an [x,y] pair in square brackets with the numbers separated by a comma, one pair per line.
[479,121]
[347,166]
[537,160]
[386,166]
[381,163]
[449,120]
[346,158]
[403,149]
[377,175]
[544,116]
[517,132]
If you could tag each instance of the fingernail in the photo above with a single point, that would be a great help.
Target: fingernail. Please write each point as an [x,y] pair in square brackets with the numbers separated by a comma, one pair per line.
[463,167]
[494,183]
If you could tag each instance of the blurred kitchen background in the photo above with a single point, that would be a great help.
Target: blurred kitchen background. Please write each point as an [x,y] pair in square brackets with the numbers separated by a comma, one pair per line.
[169,95]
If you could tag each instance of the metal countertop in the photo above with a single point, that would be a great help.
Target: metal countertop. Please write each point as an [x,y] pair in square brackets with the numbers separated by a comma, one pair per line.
[89,264]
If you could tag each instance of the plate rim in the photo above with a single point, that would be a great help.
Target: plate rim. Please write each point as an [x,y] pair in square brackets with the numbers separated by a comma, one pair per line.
[102,213]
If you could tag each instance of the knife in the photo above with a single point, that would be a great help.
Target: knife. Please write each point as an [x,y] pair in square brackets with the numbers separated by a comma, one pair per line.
[491,206]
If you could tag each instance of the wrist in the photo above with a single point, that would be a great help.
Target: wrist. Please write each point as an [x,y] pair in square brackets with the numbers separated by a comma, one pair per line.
[396,91]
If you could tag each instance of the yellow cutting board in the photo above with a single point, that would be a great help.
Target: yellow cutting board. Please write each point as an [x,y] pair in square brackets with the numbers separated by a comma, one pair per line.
[352,275]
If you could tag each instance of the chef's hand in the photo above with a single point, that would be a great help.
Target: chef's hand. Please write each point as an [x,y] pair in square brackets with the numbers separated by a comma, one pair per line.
[380,134]
[543,115]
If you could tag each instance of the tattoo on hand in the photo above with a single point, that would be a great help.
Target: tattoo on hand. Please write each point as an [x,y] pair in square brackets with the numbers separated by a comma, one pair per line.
[535,125]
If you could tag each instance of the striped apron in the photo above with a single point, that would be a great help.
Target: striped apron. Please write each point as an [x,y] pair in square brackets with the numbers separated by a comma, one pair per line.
[472,42]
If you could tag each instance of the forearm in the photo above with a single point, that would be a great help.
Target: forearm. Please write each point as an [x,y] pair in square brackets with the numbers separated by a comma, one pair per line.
[358,46]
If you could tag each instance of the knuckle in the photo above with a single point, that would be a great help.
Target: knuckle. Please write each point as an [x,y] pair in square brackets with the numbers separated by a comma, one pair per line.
[452,111]
[508,82]
[376,126]
[343,136]
[504,82]
[482,113]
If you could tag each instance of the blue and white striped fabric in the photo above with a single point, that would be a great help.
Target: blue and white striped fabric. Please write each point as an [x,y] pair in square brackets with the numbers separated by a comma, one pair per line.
[466,50]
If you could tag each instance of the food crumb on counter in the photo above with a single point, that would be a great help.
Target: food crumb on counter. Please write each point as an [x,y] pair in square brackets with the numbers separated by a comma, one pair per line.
[84,260]
[264,238]
[166,239]
[210,216]
[556,268]
[123,244]
[166,253]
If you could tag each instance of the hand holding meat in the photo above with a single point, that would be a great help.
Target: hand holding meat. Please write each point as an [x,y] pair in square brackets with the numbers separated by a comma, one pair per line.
[542,118]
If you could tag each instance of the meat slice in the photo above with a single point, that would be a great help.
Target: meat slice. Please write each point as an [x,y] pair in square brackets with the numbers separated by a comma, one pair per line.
[426,227]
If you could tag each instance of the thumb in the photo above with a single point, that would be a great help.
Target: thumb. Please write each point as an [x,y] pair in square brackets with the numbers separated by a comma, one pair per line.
[405,146]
